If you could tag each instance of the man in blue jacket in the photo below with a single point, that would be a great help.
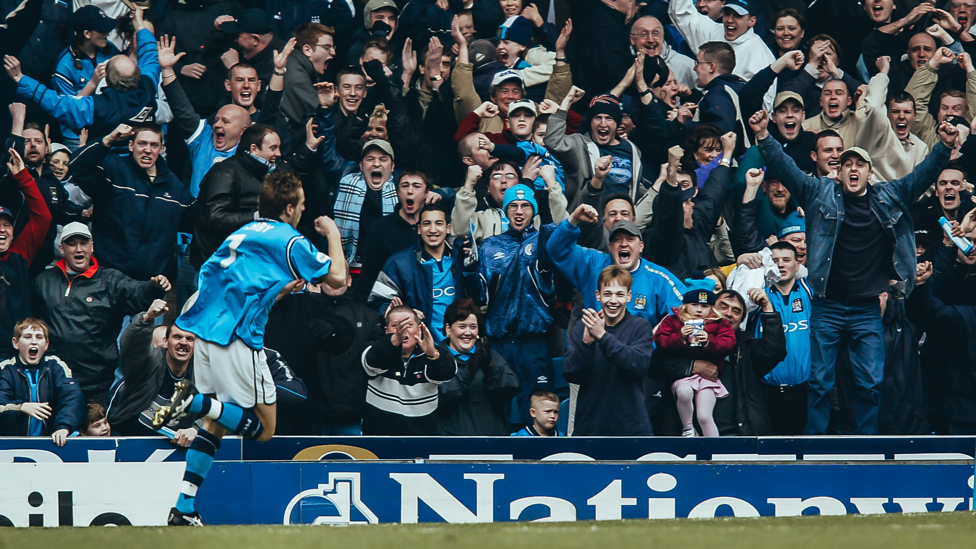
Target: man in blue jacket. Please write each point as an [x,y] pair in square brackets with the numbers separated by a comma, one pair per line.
[138,201]
[38,397]
[514,279]
[860,238]
[130,96]
[425,277]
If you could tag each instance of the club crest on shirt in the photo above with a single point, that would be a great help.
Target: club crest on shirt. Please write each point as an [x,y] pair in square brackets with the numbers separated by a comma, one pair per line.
[640,302]
[797,305]
[528,249]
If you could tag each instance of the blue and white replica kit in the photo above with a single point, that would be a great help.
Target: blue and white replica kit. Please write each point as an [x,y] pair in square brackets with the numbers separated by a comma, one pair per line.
[238,285]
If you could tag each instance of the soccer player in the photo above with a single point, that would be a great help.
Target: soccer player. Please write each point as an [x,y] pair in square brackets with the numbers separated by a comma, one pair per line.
[238,286]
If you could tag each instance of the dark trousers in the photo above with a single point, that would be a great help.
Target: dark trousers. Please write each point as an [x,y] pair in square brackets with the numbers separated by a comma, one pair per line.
[530,361]
[859,324]
[787,407]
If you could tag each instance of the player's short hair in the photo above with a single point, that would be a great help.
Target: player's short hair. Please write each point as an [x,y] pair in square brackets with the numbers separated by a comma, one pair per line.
[541,120]
[461,309]
[901,97]
[824,135]
[307,34]
[95,412]
[619,196]
[278,191]
[254,135]
[354,71]
[30,322]
[405,309]
[612,274]
[719,53]
[435,207]
[415,173]
[241,67]
[469,144]
[781,245]
[539,397]
[148,127]
[381,44]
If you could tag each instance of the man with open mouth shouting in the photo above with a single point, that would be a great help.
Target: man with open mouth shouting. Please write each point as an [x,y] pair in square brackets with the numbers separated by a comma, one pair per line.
[861,237]
[514,278]
[138,200]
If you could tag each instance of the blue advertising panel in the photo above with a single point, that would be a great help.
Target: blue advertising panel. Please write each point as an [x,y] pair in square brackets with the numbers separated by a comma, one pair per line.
[731,449]
[384,492]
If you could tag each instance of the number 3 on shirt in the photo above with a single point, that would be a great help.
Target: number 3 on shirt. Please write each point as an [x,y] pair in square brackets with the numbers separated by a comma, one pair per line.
[235,242]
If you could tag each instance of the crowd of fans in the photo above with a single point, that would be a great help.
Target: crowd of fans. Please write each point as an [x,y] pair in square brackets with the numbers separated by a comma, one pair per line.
[665,218]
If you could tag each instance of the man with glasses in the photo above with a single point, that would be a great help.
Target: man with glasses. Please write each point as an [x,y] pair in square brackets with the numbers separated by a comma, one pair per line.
[315,43]
[647,35]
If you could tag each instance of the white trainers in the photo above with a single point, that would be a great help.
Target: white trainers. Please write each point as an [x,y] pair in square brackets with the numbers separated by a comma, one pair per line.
[689,433]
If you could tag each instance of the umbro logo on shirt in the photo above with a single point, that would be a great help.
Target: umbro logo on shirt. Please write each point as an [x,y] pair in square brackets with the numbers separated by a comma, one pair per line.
[499,255]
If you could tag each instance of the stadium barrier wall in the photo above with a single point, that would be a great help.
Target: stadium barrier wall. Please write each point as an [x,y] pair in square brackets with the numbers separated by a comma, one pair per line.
[135,481]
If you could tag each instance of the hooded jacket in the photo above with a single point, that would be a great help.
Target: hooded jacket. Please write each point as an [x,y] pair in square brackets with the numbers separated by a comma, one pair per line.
[54,386]
[84,313]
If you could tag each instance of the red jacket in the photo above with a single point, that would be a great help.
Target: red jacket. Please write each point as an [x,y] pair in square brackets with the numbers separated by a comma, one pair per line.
[721,338]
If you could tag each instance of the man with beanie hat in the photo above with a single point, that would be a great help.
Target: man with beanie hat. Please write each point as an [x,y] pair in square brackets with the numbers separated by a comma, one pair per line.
[513,277]
[579,152]
[794,232]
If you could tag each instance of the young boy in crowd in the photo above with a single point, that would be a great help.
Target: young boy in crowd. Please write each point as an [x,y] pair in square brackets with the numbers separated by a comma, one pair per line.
[95,423]
[544,410]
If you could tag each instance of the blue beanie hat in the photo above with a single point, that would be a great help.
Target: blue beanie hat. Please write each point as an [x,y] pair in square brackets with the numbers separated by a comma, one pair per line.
[794,223]
[516,29]
[520,192]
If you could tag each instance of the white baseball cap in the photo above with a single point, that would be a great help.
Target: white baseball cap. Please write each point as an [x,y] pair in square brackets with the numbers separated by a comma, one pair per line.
[75,229]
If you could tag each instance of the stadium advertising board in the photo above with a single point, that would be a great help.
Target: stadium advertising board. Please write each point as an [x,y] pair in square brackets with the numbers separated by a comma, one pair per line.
[383,492]
[737,449]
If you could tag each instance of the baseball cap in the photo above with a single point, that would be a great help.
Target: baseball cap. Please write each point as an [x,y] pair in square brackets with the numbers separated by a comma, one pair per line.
[92,18]
[75,229]
[380,144]
[526,104]
[6,212]
[516,29]
[626,226]
[783,97]
[859,152]
[374,5]
[741,7]
[252,21]
[520,192]
[481,52]
[504,76]
[794,223]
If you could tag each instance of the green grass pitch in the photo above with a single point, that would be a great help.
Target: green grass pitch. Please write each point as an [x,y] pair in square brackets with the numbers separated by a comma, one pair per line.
[935,530]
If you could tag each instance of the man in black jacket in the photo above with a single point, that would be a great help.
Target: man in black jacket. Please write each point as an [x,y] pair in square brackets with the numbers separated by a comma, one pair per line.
[684,220]
[322,333]
[395,232]
[149,377]
[228,197]
[84,304]
[138,201]
[745,413]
